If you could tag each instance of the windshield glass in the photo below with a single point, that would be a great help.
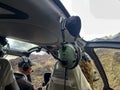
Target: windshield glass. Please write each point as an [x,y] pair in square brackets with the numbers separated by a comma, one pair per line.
[110,59]
[99,18]
[19,45]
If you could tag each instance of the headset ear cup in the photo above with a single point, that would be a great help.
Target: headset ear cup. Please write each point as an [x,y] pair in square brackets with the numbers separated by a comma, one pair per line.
[25,66]
[1,53]
[69,55]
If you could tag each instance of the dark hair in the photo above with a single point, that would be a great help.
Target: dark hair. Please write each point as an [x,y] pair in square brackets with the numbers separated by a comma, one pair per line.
[25,63]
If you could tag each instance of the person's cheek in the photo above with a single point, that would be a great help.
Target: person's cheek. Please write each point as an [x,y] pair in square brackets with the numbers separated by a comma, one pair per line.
[31,70]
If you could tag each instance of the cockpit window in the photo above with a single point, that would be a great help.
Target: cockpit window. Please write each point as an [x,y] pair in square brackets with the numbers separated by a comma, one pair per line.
[110,59]
[20,45]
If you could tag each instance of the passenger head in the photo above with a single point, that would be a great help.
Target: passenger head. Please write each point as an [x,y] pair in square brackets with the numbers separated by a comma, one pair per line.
[25,66]
[3,42]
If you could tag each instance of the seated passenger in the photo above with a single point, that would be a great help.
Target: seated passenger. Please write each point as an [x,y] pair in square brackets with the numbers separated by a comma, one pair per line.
[7,79]
[67,74]
[87,69]
[23,74]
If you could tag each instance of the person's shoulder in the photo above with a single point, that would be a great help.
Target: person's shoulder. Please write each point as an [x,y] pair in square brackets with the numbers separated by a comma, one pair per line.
[19,75]
[5,65]
[25,84]
[22,81]
[4,61]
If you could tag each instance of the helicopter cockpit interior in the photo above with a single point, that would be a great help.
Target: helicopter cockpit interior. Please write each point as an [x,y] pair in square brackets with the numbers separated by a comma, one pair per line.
[46,26]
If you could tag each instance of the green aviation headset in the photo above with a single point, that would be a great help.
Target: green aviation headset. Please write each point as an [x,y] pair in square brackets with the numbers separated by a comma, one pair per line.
[70,54]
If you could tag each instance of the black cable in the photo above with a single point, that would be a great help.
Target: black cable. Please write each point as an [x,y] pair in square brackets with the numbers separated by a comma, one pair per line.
[63,35]
[65,78]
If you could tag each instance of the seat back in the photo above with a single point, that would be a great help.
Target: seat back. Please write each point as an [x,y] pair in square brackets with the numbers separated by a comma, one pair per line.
[7,79]
[75,79]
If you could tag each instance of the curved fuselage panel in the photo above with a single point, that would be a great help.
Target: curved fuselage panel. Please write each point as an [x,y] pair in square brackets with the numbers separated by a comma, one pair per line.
[35,21]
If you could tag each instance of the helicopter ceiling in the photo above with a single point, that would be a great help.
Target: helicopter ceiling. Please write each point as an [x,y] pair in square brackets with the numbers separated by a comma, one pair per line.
[35,21]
